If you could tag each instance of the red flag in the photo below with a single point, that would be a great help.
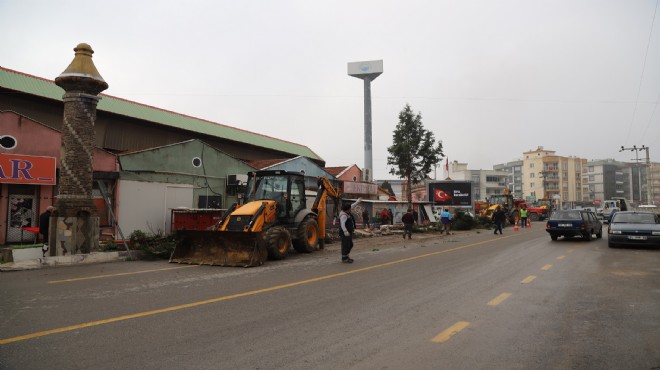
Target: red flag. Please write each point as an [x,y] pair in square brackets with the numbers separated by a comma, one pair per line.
[447,165]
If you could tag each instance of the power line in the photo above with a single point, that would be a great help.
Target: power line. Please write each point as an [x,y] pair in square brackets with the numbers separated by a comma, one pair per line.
[641,77]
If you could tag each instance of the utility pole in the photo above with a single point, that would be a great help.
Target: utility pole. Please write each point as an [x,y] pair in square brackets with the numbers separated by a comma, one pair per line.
[639,170]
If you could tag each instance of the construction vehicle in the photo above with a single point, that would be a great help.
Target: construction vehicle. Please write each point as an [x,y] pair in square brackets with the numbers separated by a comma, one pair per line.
[506,202]
[534,213]
[273,217]
[512,208]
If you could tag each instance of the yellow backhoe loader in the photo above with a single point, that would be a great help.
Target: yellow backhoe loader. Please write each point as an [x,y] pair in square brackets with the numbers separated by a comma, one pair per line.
[274,217]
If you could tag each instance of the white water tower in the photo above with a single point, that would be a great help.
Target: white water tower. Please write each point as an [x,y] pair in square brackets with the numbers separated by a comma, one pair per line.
[367,71]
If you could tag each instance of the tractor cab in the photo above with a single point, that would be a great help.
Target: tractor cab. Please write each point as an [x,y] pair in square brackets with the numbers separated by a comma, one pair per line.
[287,189]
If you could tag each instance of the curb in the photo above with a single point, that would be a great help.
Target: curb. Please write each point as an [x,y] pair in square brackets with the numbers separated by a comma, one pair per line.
[76,259]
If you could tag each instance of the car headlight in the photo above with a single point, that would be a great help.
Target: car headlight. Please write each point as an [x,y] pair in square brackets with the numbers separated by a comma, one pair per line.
[615,232]
[655,233]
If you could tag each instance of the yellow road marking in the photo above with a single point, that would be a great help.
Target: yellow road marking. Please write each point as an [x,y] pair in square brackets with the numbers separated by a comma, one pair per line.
[546,267]
[119,274]
[233,296]
[528,279]
[561,257]
[450,332]
[499,299]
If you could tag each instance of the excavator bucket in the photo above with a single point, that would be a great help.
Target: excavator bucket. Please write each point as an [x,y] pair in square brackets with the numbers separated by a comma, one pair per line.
[220,248]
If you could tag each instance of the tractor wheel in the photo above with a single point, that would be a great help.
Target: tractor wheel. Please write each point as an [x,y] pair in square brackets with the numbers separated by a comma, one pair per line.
[278,240]
[307,236]
[534,216]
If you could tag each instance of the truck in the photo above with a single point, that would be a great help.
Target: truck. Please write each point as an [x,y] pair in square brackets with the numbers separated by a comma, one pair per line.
[512,207]
[273,217]
[613,205]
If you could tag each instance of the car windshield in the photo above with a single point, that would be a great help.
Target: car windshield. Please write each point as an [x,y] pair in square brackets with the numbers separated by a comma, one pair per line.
[566,215]
[634,218]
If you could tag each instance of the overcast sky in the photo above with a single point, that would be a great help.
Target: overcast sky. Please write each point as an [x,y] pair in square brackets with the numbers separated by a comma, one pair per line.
[492,79]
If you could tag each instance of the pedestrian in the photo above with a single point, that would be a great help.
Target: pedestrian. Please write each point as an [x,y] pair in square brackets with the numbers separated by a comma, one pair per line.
[445,219]
[346,228]
[498,219]
[408,220]
[391,215]
[384,217]
[365,218]
[44,221]
[523,216]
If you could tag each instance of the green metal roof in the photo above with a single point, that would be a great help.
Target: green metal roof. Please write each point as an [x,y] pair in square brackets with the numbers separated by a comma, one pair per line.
[33,85]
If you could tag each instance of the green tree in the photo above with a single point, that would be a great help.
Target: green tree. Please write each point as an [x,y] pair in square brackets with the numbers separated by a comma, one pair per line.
[414,152]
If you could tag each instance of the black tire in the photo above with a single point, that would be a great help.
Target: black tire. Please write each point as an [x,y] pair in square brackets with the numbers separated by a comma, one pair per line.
[587,236]
[599,235]
[278,240]
[553,237]
[307,236]
[534,216]
[611,245]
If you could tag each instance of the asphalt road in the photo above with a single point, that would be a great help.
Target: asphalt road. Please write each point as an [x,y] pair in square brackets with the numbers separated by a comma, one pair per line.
[467,301]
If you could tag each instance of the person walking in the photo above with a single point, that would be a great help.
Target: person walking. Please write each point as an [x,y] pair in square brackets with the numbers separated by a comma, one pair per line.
[408,220]
[391,215]
[498,219]
[445,219]
[44,221]
[365,219]
[523,216]
[346,228]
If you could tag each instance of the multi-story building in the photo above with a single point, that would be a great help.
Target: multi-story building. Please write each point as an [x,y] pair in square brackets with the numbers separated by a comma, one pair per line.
[604,179]
[546,174]
[485,182]
[514,177]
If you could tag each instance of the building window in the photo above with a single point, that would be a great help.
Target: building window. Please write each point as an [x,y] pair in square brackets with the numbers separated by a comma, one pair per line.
[531,165]
[492,179]
[531,175]
[531,185]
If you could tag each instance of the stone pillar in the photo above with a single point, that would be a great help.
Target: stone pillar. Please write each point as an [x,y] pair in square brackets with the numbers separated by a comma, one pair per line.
[75,221]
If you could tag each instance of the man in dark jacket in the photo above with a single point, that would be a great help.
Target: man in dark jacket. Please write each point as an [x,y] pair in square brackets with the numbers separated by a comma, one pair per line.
[44,221]
[408,220]
[498,218]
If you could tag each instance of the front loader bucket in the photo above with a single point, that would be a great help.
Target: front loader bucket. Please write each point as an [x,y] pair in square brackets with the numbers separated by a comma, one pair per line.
[221,248]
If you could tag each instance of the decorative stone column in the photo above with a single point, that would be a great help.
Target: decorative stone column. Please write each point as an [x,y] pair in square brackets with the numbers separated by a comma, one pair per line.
[75,219]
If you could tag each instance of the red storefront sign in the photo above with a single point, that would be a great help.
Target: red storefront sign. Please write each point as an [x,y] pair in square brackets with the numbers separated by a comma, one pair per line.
[27,169]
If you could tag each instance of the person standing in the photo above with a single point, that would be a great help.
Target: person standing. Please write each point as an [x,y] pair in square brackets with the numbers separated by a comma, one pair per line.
[346,228]
[365,219]
[384,217]
[391,215]
[44,221]
[523,216]
[408,220]
[445,219]
[498,218]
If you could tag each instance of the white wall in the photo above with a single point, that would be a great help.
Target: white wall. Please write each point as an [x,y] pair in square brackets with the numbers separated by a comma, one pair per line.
[147,206]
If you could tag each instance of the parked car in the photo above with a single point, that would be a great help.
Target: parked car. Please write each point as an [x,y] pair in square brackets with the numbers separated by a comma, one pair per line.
[574,222]
[634,229]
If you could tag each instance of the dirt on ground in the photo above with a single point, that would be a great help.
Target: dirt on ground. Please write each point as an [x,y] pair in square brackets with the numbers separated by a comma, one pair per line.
[364,240]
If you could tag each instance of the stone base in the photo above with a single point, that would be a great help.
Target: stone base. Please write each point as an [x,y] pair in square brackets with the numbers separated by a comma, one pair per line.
[73,235]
